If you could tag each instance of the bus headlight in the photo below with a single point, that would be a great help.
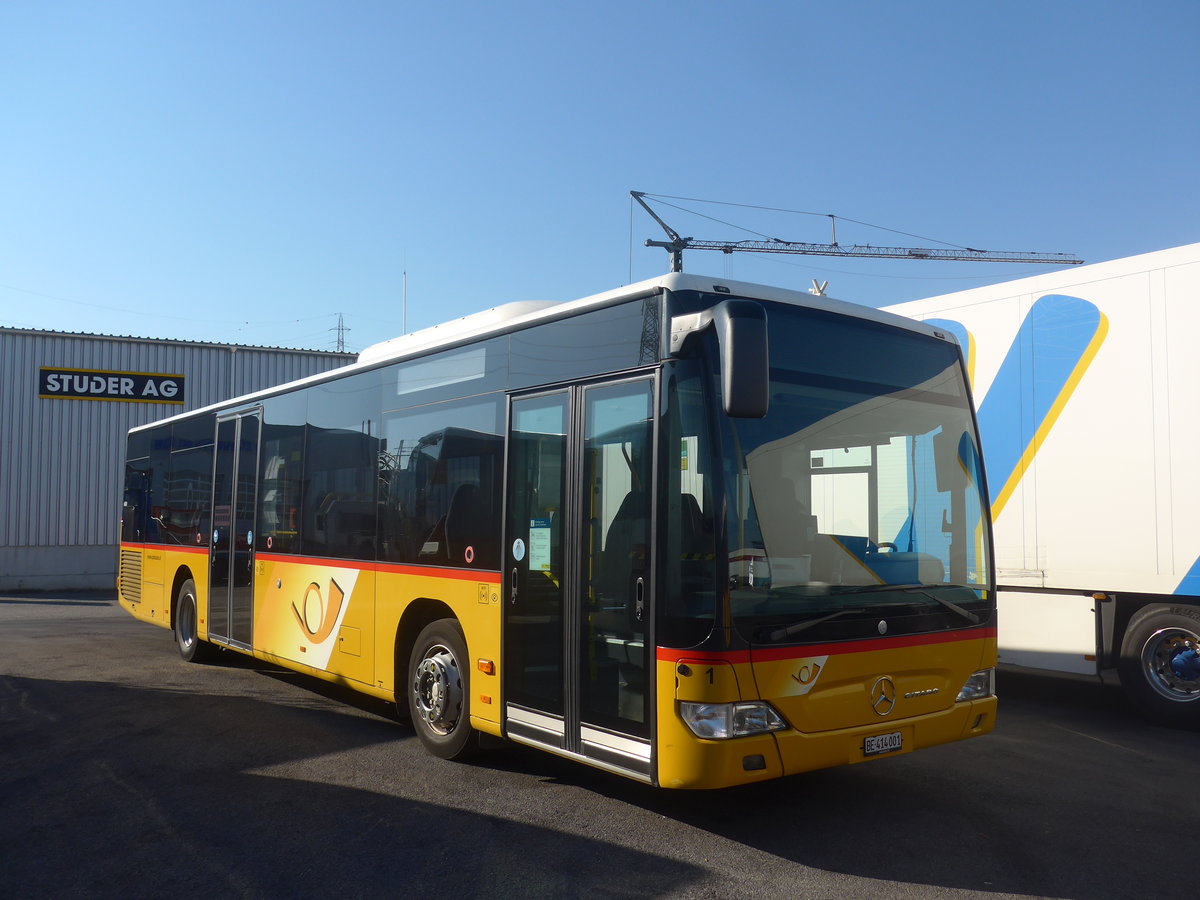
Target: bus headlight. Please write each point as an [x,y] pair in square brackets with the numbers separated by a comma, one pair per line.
[718,721]
[981,684]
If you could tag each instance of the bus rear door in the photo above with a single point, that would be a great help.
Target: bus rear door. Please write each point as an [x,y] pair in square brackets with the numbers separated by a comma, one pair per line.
[231,543]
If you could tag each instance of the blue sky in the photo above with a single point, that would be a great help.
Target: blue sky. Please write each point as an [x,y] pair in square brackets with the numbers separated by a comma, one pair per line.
[245,172]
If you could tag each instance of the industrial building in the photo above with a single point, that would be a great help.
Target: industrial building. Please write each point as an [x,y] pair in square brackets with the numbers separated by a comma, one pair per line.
[66,403]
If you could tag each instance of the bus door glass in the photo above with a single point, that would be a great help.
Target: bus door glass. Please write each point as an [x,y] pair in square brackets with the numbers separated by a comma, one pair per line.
[231,547]
[536,577]
[578,566]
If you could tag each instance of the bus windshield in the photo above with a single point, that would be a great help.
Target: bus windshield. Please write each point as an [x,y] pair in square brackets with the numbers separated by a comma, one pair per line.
[860,494]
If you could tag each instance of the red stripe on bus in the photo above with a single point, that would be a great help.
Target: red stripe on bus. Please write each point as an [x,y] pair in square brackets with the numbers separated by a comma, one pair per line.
[388,568]
[488,577]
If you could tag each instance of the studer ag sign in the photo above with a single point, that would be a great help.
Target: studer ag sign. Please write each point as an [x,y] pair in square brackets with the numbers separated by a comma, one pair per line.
[132,387]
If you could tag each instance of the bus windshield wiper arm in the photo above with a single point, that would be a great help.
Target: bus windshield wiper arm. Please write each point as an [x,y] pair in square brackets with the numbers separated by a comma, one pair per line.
[780,633]
[925,591]
[953,607]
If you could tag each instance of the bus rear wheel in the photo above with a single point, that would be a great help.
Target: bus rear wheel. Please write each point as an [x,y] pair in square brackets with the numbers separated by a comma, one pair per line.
[438,690]
[187,625]
[1160,664]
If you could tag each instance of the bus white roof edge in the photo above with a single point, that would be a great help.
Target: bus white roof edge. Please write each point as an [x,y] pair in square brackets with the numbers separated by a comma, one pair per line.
[480,322]
[509,316]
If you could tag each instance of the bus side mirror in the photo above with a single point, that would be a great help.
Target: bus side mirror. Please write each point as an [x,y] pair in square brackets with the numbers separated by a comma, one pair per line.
[741,327]
[745,370]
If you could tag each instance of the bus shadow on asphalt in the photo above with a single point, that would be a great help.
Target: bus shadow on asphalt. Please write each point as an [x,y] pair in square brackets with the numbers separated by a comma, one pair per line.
[145,789]
[1054,803]
[343,695]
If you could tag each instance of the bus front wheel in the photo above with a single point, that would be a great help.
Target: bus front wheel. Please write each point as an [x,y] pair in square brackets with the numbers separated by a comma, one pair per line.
[187,631]
[438,690]
[1160,664]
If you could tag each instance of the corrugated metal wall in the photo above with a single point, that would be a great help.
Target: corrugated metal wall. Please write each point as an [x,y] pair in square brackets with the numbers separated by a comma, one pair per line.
[61,459]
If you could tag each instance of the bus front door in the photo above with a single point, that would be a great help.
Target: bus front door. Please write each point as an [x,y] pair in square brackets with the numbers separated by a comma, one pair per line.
[231,548]
[578,572]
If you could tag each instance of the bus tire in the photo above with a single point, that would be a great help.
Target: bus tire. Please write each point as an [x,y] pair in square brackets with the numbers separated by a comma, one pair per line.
[1159,665]
[186,627]
[438,688]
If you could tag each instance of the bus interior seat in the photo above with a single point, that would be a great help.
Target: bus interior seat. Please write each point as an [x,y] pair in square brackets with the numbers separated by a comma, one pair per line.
[625,558]
[894,567]
[907,568]
[625,549]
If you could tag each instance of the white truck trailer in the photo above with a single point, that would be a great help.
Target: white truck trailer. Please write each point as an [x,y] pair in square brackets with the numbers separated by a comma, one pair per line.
[1087,383]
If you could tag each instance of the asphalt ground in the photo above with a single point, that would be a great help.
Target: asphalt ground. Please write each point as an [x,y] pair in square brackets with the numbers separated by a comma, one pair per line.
[126,772]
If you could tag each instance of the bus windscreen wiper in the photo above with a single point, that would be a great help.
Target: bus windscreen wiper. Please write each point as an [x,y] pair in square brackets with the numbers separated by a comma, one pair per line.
[922,589]
[780,633]
[925,591]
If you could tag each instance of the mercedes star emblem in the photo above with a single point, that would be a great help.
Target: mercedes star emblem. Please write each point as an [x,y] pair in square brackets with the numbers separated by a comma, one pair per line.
[883,695]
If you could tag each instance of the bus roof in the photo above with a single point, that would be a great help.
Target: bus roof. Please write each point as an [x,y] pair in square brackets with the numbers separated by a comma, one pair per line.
[520,314]
[511,316]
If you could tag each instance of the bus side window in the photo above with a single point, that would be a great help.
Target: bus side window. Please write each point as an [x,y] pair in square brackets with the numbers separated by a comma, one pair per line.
[441,499]
[136,501]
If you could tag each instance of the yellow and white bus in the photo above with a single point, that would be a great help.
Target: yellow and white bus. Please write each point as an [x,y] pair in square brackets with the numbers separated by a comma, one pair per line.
[695,532]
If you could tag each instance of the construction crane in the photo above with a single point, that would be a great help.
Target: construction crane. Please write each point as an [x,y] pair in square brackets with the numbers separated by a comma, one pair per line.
[677,244]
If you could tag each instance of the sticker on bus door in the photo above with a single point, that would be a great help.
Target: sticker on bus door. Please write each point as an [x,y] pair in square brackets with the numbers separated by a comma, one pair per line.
[539,545]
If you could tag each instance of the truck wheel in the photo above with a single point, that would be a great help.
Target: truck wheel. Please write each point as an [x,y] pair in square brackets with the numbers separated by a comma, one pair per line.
[187,619]
[1160,663]
[439,687]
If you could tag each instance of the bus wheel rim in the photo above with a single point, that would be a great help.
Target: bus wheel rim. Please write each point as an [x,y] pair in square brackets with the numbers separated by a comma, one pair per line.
[187,621]
[1158,653]
[437,690]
